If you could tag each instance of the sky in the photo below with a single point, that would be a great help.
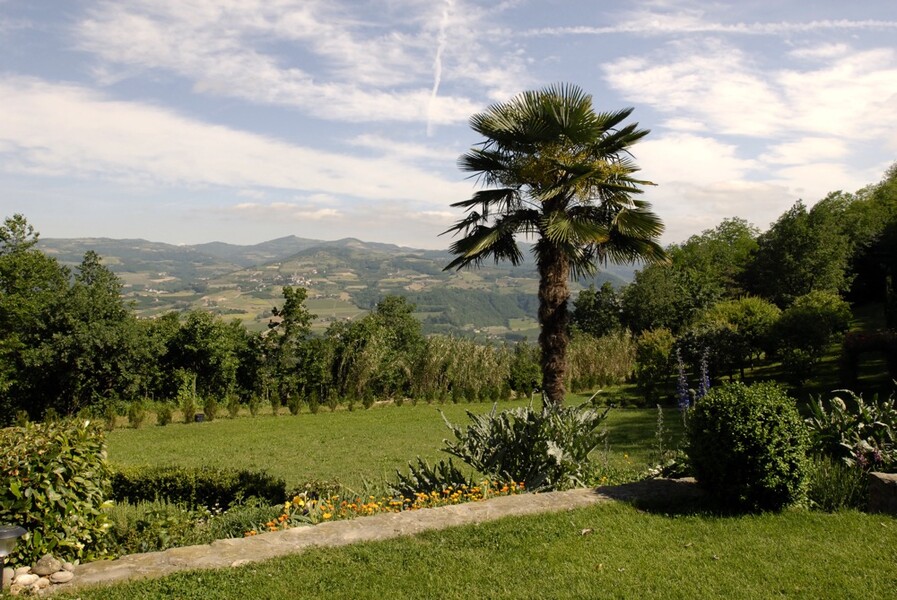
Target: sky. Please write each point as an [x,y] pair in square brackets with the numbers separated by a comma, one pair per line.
[190,121]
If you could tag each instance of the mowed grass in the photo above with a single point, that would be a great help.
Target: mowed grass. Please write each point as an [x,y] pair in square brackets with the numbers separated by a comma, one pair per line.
[604,551]
[358,447]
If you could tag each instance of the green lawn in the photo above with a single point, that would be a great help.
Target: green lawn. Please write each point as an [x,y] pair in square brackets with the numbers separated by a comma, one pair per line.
[626,554]
[352,447]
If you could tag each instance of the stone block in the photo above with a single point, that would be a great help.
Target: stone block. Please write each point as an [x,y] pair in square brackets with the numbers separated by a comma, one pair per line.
[883,493]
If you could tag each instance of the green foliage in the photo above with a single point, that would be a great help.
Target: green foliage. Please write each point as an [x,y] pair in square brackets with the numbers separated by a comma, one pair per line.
[294,403]
[210,408]
[804,251]
[748,446]
[423,478]
[163,413]
[525,373]
[548,449]
[834,485]
[233,406]
[187,396]
[664,296]
[136,413]
[195,487]
[56,481]
[653,362]
[597,312]
[862,434]
[255,403]
[599,362]
[806,329]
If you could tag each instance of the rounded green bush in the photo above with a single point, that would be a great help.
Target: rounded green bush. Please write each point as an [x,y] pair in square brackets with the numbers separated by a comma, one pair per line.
[748,446]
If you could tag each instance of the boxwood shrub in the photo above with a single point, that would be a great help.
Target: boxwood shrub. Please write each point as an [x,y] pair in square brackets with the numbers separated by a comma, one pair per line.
[55,481]
[204,486]
[748,446]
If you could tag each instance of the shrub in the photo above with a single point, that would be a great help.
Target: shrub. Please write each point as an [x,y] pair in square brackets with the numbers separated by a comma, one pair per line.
[275,404]
[834,485]
[548,449]
[748,445]
[56,481]
[136,414]
[294,403]
[425,479]
[806,328]
[196,487]
[163,414]
[187,398]
[861,434]
[233,406]
[210,408]
[255,403]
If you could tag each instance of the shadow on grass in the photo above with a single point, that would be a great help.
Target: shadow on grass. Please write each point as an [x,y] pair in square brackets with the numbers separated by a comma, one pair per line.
[671,497]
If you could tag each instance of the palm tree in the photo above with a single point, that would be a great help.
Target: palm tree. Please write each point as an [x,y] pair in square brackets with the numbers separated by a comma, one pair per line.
[560,172]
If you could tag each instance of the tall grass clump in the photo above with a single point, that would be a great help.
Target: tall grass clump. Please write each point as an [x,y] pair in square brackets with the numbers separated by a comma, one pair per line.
[599,362]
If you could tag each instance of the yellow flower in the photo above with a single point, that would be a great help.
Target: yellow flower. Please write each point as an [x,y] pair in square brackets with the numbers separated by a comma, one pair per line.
[326,515]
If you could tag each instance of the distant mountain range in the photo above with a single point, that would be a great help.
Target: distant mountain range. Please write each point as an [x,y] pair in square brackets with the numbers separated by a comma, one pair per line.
[344,279]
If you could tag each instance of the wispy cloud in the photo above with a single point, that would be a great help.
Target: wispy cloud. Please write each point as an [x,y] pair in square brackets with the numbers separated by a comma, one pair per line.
[657,24]
[67,130]
[367,67]
[437,62]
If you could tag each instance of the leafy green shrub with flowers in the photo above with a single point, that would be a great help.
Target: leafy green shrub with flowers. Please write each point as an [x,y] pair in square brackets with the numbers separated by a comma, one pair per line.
[55,485]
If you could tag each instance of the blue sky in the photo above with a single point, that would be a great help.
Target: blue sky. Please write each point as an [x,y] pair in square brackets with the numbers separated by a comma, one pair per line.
[188,121]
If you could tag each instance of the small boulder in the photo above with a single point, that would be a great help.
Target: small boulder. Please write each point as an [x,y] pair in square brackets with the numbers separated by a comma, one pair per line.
[62,577]
[22,571]
[67,566]
[8,575]
[883,493]
[47,565]
[25,580]
[16,589]
[42,583]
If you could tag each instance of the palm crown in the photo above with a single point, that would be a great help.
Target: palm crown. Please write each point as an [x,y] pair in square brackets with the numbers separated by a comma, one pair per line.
[556,170]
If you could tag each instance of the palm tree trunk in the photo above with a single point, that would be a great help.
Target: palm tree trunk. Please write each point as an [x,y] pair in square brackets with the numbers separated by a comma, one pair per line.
[554,273]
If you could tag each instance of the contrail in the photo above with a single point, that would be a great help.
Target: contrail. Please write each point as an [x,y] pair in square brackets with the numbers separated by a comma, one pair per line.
[437,63]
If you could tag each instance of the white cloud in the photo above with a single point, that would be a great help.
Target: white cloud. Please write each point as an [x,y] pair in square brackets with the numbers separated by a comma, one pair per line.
[367,66]
[67,130]
[805,150]
[853,96]
[285,210]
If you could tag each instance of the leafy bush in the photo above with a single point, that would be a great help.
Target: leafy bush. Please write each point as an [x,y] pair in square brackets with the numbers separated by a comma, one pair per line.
[653,358]
[747,446]
[862,434]
[834,485]
[426,479]
[163,414]
[136,414]
[204,486]
[294,403]
[233,406]
[548,449]
[210,408]
[806,328]
[255,403]
[56,482]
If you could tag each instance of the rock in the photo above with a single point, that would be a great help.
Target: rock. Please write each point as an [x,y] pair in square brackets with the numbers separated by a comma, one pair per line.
[42,583]
[46,565]
[15,589]
[883,493]
[62,577]
[25,580]
[8,575]
[68,566]
[22,571]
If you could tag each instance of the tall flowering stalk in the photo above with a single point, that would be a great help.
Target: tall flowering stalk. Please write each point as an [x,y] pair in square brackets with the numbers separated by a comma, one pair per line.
[704,383]
[682,391]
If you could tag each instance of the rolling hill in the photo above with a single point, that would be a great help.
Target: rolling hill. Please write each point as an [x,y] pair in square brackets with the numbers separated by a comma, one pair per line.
[344,278]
